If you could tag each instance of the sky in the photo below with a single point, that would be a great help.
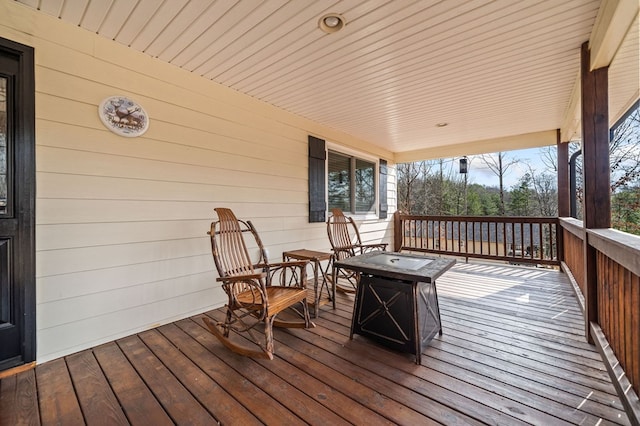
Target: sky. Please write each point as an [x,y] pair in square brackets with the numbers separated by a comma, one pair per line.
[480,173]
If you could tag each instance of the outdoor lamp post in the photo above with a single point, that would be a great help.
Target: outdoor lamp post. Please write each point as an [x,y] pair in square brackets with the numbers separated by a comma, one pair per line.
[464,169]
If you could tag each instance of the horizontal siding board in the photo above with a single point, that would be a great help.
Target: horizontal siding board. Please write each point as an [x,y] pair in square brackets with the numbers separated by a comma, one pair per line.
[79,235]
[58,185]
[76,284]
[241,160]
[80,308]
[74,336]
[64,261]
[56,211]
[205,170]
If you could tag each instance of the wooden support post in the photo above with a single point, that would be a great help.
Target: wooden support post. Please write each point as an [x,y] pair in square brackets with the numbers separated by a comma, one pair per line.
[596,205]
[564,195]
[563,178]
[397,231]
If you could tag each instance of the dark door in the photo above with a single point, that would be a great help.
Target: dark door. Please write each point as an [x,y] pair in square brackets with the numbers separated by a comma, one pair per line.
[17,205]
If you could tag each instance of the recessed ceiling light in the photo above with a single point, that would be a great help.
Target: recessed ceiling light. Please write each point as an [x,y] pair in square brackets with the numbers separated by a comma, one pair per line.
[442,124]
[331,22]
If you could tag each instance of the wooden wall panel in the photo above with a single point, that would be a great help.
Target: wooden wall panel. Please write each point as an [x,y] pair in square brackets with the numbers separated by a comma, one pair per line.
[618,301]
[121,222]
[574,257]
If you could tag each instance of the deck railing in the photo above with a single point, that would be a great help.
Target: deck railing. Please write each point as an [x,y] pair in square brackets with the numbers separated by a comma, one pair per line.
[527,240]
[573,240]
[617,289]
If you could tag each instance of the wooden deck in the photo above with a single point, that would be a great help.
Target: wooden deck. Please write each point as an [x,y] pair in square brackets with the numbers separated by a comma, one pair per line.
[512,352]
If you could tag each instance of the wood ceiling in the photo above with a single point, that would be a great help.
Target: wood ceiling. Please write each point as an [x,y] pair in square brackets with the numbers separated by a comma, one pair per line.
[488,68]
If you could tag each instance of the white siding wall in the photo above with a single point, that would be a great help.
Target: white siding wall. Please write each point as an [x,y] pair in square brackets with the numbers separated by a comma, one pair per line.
[121,223]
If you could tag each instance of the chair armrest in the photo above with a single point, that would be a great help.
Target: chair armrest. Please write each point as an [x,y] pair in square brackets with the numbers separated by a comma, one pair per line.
[246,277]
[349,250]
[288,264]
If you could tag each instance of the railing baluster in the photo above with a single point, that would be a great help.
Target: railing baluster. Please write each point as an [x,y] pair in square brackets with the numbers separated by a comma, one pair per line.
[531,241]
[482,236]
[513,240]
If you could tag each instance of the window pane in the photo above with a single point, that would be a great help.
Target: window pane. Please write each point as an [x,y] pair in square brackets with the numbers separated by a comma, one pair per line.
[339,181]
[365,186]
[3,144]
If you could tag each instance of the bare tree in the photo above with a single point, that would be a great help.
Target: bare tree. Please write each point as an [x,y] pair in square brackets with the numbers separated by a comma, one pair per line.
[549,157]
[499,164]
[413,195]
[545,192]
[624,151]
[407,175]
[435,188]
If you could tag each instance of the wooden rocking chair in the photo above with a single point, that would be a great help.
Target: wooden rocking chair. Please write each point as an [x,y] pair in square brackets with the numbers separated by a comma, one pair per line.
[345,242]
[253,297]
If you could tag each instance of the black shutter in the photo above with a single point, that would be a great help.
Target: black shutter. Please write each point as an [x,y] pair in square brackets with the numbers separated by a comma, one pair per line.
[317,190]
[382,212]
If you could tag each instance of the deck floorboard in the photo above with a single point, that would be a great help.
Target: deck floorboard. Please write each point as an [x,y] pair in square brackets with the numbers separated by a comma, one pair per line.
[513,352]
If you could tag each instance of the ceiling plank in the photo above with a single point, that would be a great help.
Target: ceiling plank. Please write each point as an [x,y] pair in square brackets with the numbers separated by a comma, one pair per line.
[276,27]
[73,11]
[95,14]
[158,23]
[221,24]
[51,7]
[184,18]
[116,18]
[196,29]
[612,24]
[243,30]
[144,10]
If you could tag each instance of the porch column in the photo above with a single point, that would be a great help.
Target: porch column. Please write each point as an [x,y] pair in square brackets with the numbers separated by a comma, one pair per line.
[563,190]
[563,178]
[596,206]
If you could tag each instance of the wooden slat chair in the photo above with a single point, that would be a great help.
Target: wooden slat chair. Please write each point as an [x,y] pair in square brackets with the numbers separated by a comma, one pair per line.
[253,297]
[346,242]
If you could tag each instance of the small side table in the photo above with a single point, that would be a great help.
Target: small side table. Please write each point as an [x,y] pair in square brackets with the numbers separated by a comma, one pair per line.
[315,257]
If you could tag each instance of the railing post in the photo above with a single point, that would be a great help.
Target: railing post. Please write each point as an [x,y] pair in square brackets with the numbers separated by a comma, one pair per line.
[559,241]
[596,173]
[397,231]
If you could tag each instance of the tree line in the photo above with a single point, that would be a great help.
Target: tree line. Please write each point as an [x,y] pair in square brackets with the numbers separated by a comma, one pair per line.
[436,187]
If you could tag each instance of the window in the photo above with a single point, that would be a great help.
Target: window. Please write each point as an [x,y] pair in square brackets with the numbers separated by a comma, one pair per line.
[351,183]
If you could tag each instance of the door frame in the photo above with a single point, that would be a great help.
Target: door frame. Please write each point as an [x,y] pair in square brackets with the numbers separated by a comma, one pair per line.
[24,193]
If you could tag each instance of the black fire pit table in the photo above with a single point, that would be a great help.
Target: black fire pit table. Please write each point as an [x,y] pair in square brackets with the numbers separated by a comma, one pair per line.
[396,301]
